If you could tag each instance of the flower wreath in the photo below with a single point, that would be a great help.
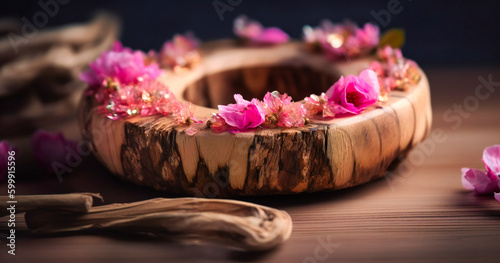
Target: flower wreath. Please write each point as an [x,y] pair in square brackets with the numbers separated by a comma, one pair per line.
[125,82]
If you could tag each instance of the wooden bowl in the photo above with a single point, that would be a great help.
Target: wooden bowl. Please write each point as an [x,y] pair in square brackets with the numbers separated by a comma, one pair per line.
[323,155]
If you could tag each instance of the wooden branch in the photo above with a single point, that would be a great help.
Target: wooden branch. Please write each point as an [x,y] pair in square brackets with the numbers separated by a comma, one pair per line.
[76,203]
[233,223]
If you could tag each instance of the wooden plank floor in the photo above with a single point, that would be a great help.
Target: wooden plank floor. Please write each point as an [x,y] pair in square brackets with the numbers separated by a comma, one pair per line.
[420,214]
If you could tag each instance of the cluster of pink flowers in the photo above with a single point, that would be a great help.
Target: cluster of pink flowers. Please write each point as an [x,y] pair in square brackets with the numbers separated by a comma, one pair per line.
[118,65]
[256,34]
[146,98]
[126,83]
[394,71]
[348,96]
[485,182]
[281,111]
[345,40]
[180,52]
[275,110]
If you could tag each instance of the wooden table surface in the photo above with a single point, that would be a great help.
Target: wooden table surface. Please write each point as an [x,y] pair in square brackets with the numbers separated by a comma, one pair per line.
[420,214]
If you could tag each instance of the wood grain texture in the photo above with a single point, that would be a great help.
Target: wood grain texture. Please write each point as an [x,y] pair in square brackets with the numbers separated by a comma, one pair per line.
[323,155]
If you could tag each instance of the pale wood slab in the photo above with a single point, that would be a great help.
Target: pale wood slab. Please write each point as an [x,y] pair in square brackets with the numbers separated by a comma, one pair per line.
[324,155]
[233,223]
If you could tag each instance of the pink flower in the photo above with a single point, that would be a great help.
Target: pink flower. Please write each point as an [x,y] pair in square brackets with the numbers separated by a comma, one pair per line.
[484,182]
[342,40]
[352,94]
[51,148]
[315,105]
[121,65]
[368,36]
[146,98]
[293,115]
[378,68]
[465,182]
[491,159]
[481,182]
[253,31]
[181,51]
[183,113]
[388,53]
[195,127]
[280,110]
[243,115]
[5,148]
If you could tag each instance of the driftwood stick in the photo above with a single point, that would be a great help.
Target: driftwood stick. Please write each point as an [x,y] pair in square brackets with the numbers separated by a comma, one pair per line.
[78,202]
[233,223]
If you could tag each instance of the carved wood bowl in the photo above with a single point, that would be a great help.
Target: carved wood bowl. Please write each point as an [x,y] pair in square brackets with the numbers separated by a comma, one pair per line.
[323,155]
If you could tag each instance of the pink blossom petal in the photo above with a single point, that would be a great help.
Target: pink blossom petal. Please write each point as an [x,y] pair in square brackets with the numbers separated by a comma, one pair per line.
[491,158]
[482,183]
[281,111]
[184,113]
[275,101]
[292,115]
[253,31]
[352,94]
[272,35]
[217,123]
[314,104]
[340,41]
[370,77]
[385,52]
[368,36]
[378,68]
[497,196]
[51,148]
[398,54]
[331,109]
[243,27]
[242,115]
[466,183]
[191,131]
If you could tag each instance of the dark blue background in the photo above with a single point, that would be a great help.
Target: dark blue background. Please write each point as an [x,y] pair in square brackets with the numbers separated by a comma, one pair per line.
[440,33]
